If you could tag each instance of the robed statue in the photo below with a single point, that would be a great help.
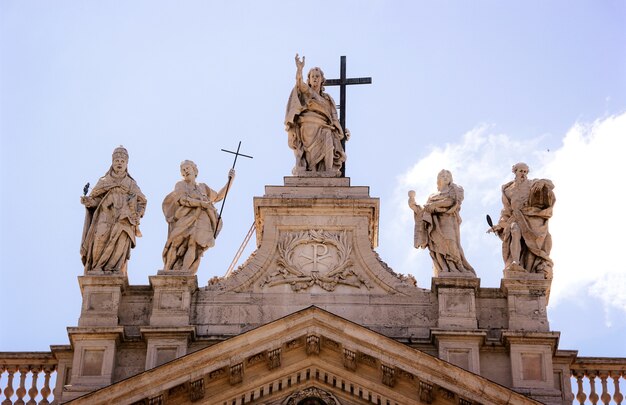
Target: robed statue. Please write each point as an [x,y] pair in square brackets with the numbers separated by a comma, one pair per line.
[193,222]
[523,225]
[113,210]
[314,131]
[437,227]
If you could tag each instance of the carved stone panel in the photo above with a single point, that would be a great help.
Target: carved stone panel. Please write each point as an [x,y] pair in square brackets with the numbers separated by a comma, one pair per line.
[309,258]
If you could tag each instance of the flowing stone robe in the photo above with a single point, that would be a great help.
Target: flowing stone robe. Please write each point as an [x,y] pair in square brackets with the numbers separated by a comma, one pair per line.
[190,224]
[440,231]
[313,130]
[529,204]
[111,227]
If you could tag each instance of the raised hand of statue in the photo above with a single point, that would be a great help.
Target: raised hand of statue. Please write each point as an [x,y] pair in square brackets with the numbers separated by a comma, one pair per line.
[231,174]
[300,63]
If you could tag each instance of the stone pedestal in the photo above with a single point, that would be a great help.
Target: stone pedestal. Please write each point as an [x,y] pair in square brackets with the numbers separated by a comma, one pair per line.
[460,348]
[527,299]
[101,299]
[457,302]
[532,369]
[94,359]
[166,344]
[171,302]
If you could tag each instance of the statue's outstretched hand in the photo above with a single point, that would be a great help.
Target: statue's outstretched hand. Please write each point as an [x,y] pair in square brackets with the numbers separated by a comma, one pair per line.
[231,174]
[299,63]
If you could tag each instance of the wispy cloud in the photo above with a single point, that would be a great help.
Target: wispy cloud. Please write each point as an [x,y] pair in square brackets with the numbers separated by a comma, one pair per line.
[588,225]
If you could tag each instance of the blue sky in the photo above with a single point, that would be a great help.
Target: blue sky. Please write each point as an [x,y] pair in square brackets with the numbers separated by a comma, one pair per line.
[473,87]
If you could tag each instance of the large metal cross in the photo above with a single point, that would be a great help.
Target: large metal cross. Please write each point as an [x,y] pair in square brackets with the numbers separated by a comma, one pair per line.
[342,82]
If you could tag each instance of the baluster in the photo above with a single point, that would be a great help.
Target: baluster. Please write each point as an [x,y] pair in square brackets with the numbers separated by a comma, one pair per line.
[605,397]
[33,391]
[593,396]
[617,396]
[21,390]
[8,391]
[580,395]
[45,390]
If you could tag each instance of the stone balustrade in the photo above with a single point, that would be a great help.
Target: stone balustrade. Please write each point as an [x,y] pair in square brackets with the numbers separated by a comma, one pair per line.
[597,380]
[26,377]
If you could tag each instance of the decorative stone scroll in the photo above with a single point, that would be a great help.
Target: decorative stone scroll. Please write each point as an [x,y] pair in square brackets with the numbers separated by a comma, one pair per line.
[315,257]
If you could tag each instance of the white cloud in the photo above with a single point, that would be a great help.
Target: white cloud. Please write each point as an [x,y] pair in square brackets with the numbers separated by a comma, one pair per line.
[589,220]
[588,224]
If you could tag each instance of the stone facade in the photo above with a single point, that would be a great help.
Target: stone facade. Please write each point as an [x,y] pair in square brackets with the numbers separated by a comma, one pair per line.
[314,311]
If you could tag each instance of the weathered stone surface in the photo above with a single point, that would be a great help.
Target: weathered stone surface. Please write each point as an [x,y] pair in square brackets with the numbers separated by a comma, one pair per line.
[523,224]
[438,228]
[314,131]
[192,219]
[113,210]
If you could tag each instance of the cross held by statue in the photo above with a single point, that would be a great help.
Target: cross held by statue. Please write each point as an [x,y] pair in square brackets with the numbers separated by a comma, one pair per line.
[342,82]
[237,154]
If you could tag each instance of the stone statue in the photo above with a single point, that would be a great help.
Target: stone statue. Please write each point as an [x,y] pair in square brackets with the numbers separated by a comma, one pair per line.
[114,208]
[523,224]
[314,131]
[437,226]
[192,219]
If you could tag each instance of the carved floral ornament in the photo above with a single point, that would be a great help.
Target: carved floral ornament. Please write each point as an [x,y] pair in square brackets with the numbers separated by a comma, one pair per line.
[313,257]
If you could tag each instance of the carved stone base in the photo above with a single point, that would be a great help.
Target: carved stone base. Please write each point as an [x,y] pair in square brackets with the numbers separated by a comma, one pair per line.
[301,172]
[101,299]
[171,304]
[457,302]
[527,300]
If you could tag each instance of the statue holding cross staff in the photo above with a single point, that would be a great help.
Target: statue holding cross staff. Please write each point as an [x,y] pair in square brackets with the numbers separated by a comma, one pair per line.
[193,222]
[315,133]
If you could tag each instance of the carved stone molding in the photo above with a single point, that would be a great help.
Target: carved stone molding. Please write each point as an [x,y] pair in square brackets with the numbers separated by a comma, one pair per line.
[426,392]
[196,391]
[273,359]
[236,374]
[256,358]
[309,258]
[312,392]
[312,344]
[215,374]
[349,359]
[389,375]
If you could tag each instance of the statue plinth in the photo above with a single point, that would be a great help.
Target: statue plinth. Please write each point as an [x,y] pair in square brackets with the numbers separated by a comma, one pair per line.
[171,303]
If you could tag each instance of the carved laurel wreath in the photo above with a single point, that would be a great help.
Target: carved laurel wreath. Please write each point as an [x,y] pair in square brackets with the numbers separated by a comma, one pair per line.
[288,272]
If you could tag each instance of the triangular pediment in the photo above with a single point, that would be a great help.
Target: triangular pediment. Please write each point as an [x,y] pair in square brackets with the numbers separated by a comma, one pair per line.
[308,354]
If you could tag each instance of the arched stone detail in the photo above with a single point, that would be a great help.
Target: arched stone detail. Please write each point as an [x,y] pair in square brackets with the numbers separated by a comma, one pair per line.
[311,394]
